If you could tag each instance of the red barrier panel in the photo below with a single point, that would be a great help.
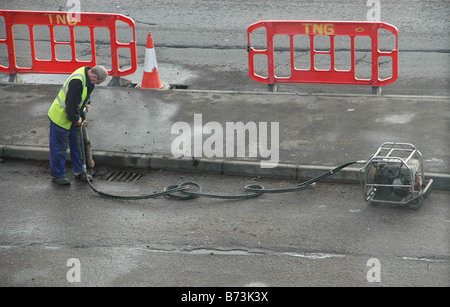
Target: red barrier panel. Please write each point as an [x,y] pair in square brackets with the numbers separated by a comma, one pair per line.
[61,19]
[332,29]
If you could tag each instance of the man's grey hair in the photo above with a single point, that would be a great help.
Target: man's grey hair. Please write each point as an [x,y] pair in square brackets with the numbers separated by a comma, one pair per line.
[101,72]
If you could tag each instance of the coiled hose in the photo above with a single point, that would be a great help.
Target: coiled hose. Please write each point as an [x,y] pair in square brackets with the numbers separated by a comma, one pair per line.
[182,191]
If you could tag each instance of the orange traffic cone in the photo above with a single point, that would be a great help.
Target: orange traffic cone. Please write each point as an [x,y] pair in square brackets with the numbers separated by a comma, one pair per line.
[151,76]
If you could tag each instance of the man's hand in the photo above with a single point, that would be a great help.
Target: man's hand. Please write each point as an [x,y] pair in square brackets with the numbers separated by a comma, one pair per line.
[78,123]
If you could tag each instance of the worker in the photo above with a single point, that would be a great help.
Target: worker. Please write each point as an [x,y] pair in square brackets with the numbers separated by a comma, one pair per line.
[66,115]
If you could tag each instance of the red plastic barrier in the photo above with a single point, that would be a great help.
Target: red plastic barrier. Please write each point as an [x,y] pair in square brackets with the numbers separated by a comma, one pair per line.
[331,29]
[52,19]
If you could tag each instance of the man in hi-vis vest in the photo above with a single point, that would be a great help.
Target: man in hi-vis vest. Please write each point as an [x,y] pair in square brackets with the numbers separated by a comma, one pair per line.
[66,115]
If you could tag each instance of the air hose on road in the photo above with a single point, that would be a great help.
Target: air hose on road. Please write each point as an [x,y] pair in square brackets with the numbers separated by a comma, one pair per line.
[182,191]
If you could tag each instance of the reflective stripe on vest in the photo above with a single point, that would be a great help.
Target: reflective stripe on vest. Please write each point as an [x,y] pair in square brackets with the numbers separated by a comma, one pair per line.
[57,112]
[65,88]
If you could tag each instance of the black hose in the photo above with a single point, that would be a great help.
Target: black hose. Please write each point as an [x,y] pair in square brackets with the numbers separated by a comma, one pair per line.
[182,192]
[83,162]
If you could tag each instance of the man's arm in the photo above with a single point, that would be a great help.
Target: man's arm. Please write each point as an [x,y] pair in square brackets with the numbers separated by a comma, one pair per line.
[73,100]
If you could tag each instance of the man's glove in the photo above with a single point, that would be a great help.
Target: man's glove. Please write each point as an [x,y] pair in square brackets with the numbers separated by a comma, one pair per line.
[83,114]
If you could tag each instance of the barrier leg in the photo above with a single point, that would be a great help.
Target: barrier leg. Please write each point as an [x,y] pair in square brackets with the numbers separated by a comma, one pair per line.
[14,78]
[272,87]
[376,90]
[121,82]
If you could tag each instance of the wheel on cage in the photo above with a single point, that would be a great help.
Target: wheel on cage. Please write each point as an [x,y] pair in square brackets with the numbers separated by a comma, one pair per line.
[415,204]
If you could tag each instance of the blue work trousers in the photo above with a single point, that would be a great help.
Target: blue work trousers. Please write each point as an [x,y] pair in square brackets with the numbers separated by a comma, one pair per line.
[60,140]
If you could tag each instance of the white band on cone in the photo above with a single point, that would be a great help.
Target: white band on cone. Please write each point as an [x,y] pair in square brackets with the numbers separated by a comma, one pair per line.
[150,60]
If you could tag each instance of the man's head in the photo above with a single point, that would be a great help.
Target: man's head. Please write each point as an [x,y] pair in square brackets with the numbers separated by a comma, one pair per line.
[97,74]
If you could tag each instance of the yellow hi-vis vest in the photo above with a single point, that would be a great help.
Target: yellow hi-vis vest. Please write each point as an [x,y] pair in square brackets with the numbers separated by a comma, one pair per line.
[57,112]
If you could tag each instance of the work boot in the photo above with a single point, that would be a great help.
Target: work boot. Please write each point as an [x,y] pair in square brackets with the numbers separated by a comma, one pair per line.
[61,180]
[82,177]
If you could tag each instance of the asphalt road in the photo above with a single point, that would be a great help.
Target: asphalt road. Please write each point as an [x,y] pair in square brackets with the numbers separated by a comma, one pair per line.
[321,237]
[202,43]
[326,236]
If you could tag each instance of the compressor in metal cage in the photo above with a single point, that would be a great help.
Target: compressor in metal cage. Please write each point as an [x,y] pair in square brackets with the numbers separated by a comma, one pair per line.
[394,174]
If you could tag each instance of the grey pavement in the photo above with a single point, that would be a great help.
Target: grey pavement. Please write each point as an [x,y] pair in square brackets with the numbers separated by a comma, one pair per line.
[135,127]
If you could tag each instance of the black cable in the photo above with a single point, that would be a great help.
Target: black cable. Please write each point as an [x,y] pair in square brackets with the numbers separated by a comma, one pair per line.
[83,162]
[183,192]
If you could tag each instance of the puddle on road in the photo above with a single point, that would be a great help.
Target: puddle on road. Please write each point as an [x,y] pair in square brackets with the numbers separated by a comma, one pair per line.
[315,255]
[397,119]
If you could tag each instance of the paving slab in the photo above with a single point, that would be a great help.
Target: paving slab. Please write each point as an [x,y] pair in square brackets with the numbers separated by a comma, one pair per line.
[146,127]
